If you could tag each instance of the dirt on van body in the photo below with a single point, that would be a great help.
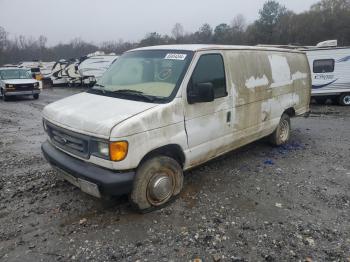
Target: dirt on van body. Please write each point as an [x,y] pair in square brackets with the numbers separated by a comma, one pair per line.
[290,203]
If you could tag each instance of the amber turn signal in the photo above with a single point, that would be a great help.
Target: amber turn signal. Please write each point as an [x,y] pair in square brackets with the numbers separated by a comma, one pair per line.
[118,150]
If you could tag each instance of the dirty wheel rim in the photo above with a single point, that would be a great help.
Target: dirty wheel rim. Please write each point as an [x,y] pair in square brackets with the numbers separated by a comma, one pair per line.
[284,130]
[346,100]
[160,187]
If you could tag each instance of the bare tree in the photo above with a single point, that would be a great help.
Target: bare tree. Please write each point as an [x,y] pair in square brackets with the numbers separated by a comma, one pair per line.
[42,41]
[177,31]
[3,38]
[238,23]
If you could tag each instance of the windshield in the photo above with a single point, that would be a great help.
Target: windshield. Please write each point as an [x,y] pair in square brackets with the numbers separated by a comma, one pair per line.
[15,74]
[152,73]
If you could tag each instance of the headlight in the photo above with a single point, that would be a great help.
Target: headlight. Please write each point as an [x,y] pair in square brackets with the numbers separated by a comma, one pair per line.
[115,151]
[9,86]
[36,84]
[103,149]
[44,125]
[100,149]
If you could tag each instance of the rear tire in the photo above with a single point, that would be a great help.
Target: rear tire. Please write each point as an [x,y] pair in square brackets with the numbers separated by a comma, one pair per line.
[158,180]
[36,96]
[282,133]
[344,99]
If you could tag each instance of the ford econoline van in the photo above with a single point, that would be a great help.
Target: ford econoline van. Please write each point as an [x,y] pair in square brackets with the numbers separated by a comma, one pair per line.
[158,111]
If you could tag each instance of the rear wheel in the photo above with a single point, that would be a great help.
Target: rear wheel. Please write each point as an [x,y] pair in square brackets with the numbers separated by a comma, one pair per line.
[344,99]
[282,133]
[36,96]
[157,181]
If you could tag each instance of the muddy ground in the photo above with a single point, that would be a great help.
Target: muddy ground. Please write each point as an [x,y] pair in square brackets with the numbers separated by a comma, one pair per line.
[257,203]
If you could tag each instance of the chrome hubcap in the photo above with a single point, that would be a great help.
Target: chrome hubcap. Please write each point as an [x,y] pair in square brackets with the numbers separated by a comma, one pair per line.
[160,188]
[284,130]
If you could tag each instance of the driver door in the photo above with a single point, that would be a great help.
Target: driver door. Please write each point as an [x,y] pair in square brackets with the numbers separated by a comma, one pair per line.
[208,124]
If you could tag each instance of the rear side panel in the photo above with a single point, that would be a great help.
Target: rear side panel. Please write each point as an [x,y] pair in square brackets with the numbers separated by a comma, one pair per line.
[261,85]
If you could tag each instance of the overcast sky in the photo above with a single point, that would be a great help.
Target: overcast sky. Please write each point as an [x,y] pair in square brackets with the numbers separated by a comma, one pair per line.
[101,20]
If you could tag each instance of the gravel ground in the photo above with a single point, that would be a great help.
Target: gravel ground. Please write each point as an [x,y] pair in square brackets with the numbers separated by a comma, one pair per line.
[257,203]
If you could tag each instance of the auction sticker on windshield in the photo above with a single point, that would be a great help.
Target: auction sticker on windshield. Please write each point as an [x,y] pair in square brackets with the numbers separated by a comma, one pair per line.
[175,56]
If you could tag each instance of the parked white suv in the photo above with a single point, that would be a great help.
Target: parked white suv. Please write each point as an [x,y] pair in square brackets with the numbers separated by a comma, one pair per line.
[160,110]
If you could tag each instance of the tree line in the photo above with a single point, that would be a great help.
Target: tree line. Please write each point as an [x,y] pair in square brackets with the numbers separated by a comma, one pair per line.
[327,19]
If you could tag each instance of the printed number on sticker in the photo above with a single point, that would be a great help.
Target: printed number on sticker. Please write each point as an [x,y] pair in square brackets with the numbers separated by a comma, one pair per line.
[176,56]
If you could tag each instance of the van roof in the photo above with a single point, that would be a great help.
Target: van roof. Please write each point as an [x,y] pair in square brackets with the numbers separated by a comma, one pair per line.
[200,47]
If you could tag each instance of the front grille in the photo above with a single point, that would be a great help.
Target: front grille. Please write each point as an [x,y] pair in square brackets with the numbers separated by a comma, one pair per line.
[69,141]
[24,87]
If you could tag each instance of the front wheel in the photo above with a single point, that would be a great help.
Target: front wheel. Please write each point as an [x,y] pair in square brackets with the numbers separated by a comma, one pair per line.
[36,96]
[4,97]
[282,133]
[157,181]
[344,99]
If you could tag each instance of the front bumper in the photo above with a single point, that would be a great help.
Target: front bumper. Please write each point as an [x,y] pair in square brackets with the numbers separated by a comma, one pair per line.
[22,93]
[86,176]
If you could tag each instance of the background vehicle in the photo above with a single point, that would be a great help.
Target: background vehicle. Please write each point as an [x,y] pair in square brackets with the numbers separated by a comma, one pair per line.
[92,68]
[330,67]
[160,110]
[18,81]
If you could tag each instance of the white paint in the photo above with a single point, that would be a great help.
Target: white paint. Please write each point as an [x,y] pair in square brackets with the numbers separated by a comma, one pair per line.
[299,75]
[93,114]
[280,70]
[255,82]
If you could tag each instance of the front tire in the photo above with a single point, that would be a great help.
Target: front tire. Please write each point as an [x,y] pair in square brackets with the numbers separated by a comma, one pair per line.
[344,99]
[36,96]
[4,97]
[157,181]
[282,133]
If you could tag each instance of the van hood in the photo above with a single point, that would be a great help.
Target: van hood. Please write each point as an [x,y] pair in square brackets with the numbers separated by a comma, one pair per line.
[93,114]
[20,81]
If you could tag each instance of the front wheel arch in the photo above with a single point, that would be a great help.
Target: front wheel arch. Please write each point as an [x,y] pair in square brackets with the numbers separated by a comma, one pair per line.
[172,150]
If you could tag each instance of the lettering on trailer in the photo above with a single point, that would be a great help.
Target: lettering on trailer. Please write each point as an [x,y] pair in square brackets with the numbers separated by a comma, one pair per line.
[324,77]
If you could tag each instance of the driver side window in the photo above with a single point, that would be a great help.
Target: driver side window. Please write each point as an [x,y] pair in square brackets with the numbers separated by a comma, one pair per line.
[210,68]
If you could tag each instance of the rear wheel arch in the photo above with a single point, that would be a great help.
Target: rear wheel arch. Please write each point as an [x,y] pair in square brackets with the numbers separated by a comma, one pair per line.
[290,112]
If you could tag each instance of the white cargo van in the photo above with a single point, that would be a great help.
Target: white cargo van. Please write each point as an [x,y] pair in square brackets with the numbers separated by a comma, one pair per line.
[160,110]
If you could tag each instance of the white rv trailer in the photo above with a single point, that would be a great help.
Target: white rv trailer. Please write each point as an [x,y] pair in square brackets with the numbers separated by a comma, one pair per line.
[92,68]
[330,69]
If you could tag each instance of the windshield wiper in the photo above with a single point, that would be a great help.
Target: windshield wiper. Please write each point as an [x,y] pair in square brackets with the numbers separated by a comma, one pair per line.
[134,93]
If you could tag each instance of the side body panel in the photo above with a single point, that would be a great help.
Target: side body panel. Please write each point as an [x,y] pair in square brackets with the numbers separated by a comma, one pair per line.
[261,86]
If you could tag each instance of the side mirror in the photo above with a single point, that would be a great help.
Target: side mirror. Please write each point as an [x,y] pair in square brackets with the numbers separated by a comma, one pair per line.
[200,93]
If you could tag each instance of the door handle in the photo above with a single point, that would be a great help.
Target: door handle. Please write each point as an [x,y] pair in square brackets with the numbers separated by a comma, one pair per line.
[228,117]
